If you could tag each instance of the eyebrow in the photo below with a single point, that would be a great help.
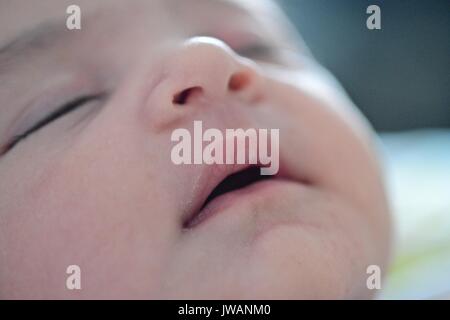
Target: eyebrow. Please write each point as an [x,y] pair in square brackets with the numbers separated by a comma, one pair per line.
[42,37]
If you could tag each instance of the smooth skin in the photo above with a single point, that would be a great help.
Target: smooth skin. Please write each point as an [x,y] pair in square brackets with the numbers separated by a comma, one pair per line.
[96,187]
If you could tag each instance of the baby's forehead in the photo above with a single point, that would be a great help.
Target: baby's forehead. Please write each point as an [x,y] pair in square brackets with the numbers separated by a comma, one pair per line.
[22,20]
[21,14]
[157,17]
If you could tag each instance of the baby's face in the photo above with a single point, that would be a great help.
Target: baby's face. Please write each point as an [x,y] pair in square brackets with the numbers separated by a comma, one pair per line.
[95,185]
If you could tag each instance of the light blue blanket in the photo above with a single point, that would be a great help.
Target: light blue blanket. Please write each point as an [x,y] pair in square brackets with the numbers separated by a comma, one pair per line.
[418,175]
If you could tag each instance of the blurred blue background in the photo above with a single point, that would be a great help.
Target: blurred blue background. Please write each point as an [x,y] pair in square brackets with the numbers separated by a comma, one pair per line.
[398,76]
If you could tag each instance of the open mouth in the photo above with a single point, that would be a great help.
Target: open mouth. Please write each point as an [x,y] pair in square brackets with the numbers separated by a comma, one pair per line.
[237,181]
[231,183]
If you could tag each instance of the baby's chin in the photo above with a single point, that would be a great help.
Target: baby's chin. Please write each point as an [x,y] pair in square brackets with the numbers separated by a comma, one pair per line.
[301,242]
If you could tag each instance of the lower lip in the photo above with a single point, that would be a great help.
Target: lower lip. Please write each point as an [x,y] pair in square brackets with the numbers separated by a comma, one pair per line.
[262,189]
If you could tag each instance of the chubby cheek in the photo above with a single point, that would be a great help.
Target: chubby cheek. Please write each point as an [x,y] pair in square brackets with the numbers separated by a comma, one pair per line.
[83,209]
[325,142]
[321,260]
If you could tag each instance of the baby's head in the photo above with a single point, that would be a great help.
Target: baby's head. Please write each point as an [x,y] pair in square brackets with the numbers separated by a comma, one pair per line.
[87,175]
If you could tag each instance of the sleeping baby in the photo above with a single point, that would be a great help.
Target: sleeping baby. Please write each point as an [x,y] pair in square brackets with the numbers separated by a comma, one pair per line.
[103,165]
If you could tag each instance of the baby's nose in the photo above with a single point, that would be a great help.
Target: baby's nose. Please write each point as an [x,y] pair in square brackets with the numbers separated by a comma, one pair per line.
[207,65]
[203,71]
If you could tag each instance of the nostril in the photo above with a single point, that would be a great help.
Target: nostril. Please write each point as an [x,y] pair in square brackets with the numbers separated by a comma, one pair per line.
[183,96]
[239,81]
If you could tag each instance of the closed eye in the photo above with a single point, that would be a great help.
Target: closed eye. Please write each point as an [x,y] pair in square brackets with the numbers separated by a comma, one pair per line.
[257,51]
[58,113]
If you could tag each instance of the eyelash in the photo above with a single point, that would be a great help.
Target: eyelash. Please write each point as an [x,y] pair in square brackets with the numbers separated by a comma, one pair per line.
[255,51]
[258,50]
[58,113]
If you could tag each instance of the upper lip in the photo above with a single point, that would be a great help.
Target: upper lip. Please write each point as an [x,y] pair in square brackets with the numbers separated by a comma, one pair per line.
[199,180]
[208,177]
